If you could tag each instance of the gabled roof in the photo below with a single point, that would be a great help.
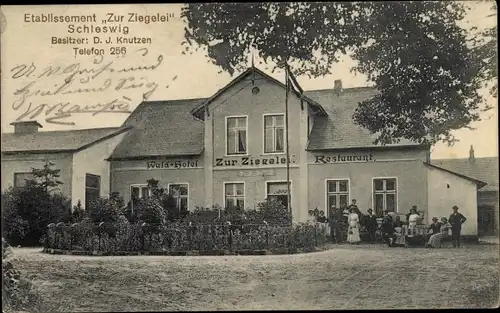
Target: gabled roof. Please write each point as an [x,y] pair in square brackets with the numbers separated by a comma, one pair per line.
[162,128]
[56,141]
[337,129]
[483,169]
[479,183]
[200,109]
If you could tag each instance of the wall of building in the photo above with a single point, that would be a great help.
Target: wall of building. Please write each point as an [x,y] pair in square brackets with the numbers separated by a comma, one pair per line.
[255,185]
[447,190]
[22,163]
[240,101]
[166,171]
[361,166]
[92,160]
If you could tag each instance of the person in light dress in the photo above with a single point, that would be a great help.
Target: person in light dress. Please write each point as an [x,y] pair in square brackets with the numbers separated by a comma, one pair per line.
[353,230]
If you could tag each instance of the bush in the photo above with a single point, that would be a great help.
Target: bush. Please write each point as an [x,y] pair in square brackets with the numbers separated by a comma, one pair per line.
[181,236]
[26,211]
[17,293]
[150,211]
[106,209]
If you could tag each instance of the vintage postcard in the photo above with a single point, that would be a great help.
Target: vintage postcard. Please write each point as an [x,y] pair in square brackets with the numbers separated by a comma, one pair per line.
[249,156]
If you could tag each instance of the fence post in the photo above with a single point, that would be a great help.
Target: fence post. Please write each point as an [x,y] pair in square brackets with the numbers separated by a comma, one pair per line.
[143,238]
[230,237]
[267,235]
[315,234]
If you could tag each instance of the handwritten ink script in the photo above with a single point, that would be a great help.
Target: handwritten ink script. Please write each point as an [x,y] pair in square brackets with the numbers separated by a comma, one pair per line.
[41,84]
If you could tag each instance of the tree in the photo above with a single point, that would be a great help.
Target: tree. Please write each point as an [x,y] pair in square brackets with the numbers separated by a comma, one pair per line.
[413,52]
[47,177]
[486,47]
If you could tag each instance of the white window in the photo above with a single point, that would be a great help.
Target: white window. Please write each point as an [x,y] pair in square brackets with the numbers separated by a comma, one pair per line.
[139,191]
[385,195]
[337,193]
[274,133]
[180,192]
[278,191]
[21,178]
[234,194]
[236,135]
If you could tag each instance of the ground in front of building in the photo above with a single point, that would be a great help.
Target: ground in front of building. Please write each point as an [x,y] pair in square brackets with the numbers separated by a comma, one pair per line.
[343,277]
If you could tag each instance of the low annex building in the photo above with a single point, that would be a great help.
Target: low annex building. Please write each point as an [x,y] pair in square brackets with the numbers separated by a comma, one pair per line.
[230,150]
[79,154]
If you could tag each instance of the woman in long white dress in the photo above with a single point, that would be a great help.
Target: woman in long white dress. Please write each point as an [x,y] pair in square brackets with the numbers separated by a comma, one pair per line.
[412,222]
[353,231]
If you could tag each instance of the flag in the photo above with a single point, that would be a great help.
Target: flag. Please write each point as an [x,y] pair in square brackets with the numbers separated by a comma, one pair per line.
[253,71]
[292,84]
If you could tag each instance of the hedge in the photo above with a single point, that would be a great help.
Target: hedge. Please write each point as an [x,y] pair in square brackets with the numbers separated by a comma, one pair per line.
[126,237]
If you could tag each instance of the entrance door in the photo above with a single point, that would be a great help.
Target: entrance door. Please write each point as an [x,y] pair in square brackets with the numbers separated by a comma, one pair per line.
[486,220]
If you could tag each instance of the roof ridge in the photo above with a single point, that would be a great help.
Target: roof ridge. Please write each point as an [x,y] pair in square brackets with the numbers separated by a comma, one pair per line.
[69,130]
[465,158]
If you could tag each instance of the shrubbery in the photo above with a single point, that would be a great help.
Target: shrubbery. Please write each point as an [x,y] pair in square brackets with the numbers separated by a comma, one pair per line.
[18,293]
[27,211]
[180,236]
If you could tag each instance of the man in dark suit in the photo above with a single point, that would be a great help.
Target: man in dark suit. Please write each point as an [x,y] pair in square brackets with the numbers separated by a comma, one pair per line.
[371,225]
[456,220]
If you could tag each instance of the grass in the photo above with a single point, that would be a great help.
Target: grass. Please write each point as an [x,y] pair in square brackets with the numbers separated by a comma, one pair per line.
[344,277]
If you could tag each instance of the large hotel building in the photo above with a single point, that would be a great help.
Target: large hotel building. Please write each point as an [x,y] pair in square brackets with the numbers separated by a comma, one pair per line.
[230,149]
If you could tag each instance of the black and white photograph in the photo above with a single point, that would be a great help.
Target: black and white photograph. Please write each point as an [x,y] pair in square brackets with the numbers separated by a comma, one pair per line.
[251,156]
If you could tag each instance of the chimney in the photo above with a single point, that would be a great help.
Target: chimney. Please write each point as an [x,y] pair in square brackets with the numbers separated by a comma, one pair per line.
[26,127]
[472,158]
[337,87]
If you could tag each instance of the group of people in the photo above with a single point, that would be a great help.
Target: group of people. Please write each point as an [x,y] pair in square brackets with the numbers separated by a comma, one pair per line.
[344,224]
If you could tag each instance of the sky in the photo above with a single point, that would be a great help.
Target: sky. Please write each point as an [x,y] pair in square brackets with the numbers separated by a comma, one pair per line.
[28,50]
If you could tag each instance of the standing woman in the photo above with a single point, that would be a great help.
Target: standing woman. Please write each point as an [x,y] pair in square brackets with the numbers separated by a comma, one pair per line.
[353,233]
[412,221]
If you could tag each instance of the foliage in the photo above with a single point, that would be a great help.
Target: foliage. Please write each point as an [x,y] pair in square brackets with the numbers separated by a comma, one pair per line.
[412,51]
[47,177]
[78,213]
[17,293]
[105,209]
[181,236]
[26,211]
[486,47]
[150,211]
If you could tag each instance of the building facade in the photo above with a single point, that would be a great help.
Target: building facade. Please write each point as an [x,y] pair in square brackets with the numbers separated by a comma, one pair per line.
[80,155]
[484,169]
[232,149]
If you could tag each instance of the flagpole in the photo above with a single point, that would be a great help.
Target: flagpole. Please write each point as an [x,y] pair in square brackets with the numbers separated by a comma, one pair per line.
[287,79]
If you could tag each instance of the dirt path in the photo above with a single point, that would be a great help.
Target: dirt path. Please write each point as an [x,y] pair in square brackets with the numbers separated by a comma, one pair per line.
[346,277]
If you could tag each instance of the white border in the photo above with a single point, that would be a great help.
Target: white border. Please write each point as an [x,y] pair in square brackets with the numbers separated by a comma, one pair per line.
[264,134]
[188,195]
[397,191]
[224,192]
[225,137]
[326,191]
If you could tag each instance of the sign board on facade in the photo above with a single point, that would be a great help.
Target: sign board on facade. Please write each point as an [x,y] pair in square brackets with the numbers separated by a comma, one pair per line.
[255,173]
[172,164]
[340,158]
[250,161]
